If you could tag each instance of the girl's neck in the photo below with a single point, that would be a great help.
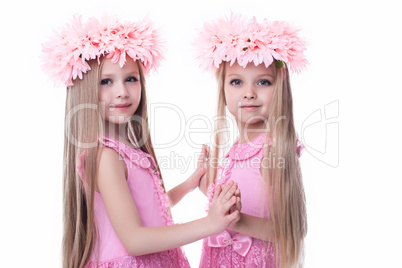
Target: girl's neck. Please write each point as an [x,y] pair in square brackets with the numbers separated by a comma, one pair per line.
[118,132]
[248,132]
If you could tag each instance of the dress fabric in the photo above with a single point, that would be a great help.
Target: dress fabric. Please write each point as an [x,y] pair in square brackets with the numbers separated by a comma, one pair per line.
[231,249]
[153,208]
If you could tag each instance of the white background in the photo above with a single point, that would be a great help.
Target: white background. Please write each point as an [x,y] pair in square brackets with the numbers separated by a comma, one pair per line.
[351,167]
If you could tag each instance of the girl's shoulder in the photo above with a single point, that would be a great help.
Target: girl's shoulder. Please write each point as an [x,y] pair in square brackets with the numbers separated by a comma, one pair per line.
[108,156]
[109,162]
[131,156]
[124,150]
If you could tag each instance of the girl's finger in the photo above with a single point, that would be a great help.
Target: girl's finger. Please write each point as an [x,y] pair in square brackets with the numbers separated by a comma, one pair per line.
[232,217]
[238,197]
[224,187]
[229,204]
[207,159]
[217,192]
[227,192]
[238,204]
[237,193]
[204,151]
[202,156]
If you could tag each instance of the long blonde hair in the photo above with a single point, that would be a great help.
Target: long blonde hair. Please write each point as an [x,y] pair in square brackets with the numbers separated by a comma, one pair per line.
[83,127]
[285,187]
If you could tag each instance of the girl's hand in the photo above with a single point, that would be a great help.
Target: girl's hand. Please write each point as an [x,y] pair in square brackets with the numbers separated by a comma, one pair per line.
[219,216]
[237,206]
[199,174]
[204,181]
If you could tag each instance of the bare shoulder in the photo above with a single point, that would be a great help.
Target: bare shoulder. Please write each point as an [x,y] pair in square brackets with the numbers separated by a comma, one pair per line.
[109,158]
[110,165]
[106,154]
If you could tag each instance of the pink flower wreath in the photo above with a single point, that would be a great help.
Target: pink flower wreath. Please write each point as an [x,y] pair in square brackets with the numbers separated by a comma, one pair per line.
[66,54]
[247,40]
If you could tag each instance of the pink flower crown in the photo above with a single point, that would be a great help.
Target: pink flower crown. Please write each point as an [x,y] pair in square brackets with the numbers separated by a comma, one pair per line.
[244,41]
[66,54]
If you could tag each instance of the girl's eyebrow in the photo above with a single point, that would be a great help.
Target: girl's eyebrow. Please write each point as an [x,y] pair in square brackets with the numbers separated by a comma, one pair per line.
[234,74]
[106,75]
[133,73]
[265,75]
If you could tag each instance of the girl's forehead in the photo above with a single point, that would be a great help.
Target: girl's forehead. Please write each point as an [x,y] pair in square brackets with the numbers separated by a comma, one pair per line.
[250,69]
[109,67]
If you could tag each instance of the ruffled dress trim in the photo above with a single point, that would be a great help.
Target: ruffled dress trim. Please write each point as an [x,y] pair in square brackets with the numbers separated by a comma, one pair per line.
[145,161]
[173,258]
[261,254]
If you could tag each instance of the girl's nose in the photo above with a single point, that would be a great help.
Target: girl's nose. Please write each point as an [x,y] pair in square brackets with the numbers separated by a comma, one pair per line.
[249,93]
[121,91]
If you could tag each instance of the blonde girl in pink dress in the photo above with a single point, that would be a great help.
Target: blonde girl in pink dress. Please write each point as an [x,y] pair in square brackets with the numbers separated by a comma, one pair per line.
[251,60]
[116,209]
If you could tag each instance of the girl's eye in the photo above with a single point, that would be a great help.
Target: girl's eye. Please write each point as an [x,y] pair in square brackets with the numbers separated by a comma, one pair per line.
[105,81]
[131,79]
[236,82]
[264,83]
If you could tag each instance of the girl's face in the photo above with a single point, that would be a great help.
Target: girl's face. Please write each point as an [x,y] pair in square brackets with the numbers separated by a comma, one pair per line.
[248,93]
[119,91]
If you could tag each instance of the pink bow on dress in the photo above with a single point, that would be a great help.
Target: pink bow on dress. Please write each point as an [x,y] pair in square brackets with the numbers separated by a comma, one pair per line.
[241,243]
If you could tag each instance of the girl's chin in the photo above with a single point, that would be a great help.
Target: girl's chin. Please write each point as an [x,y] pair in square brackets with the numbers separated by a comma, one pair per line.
[254,124]
[117,121]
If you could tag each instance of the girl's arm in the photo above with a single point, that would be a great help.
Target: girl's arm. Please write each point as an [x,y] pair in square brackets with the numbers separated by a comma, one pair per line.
[260,228]
[178,192]
[123,214]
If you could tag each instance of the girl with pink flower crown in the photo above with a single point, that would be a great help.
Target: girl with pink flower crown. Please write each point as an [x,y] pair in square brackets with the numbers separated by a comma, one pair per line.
[251,61]
[116,210]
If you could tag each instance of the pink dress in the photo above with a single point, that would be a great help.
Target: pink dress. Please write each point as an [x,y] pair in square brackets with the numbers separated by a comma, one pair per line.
[153,208]
[232,249]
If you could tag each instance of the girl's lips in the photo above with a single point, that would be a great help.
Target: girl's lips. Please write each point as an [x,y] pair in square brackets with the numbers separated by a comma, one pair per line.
[121,106]
[249,107]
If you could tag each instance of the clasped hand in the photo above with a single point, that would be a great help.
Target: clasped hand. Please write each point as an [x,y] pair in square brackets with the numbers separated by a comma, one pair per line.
[224,210]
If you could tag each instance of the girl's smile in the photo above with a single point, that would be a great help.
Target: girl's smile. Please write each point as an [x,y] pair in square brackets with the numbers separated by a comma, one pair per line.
[121,107]
[249,108]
